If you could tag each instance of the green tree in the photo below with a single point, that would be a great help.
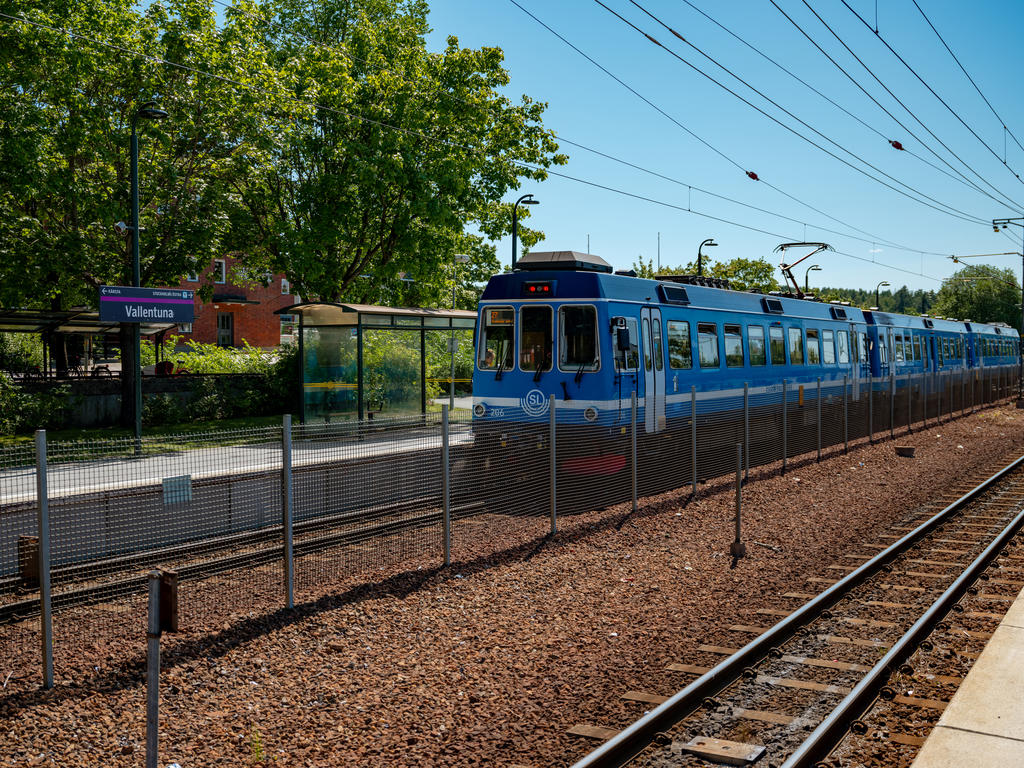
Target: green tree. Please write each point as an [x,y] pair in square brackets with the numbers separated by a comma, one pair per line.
[742,274]
[980,292]
[393,152]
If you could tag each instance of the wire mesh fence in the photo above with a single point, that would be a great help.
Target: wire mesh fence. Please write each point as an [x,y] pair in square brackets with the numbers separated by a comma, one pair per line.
[248,521]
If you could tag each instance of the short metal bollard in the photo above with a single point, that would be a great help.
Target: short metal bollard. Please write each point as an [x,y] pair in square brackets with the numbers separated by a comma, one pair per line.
[153,672]
[738,549]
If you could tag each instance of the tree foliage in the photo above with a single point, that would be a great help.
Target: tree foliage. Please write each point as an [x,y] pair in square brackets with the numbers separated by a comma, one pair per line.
[329,144]
[981,293]
[743,274]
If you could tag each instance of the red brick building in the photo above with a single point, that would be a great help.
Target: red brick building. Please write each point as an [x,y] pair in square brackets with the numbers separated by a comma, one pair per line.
[242,308]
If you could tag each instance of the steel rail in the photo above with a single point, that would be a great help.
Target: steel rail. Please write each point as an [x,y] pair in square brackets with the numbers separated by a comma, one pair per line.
[833,728]
[629,742]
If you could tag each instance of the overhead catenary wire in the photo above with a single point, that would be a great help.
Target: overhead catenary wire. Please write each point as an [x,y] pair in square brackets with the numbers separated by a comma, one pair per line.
[673,120]
[1006,199]
[74,34]
[971,79]
[933,92]
[957,176]
[934,204]
[869,239]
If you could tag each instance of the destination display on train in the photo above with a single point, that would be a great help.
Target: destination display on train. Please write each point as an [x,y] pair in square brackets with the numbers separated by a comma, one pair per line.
[127,304]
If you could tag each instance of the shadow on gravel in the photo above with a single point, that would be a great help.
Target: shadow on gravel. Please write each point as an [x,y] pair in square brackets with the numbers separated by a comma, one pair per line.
[132,674]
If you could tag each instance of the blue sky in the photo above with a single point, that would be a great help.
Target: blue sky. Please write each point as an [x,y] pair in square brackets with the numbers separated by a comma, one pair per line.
[586,106]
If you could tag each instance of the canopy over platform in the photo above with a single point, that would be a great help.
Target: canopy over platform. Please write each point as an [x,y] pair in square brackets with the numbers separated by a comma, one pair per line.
[363,359]
[316,313]
[80,321]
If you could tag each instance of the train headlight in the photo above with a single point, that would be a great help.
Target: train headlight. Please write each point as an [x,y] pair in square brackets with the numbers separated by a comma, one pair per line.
[479,410]
[590,413]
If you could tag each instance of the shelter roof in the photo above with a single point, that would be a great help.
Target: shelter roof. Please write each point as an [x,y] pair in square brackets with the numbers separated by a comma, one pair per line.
[81,321]
[315,313]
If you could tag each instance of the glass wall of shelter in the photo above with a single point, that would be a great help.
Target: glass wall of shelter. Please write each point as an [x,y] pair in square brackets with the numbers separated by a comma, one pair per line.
[360,361]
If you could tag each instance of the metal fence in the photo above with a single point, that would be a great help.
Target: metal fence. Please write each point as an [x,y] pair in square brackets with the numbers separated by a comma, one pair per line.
[251,521]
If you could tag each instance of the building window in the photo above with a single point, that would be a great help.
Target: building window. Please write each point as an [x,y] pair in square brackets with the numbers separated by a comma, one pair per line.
[185,327]
[192,277]
[286,287]
[220,271]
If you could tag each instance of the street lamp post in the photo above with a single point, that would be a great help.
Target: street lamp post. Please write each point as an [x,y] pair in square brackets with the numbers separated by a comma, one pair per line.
[996,225]
[877,302]
[524,200]
[148,111]
[807,274]
[710,242]
[460,258]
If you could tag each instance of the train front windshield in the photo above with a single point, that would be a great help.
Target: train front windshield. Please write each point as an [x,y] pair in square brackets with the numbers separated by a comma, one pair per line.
[497,338]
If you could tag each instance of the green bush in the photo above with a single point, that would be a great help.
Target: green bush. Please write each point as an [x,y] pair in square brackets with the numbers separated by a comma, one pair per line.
[22,411]
[20,352]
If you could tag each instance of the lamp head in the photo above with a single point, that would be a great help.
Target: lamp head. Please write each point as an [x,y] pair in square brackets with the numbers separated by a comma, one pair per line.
[151,111]
[530,201]
[814,268]
[461,258]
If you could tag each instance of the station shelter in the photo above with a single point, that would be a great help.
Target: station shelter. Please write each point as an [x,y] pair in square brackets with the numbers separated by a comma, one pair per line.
[88,341]
[361,360]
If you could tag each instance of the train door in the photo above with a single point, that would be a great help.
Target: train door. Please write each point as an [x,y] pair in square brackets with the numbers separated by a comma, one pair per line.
[884,351]
[859,365]
[654,370]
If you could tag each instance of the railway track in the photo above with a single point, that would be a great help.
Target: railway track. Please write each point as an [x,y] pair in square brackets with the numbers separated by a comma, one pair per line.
[98,581]
[864,667]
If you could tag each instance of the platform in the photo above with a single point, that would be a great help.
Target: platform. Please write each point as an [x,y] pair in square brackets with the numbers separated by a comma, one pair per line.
[983,726]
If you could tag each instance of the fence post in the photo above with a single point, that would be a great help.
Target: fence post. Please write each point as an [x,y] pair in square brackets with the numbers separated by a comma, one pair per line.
[552,468]
[746,430]
[153,672]
[287,513]
[632,434]
[785,409]
[446,496]
[846,417]
[892,404]
[43,522]
[819,418]
[938,411]
[910,402]
[871,408]
[693,434]
[738,549]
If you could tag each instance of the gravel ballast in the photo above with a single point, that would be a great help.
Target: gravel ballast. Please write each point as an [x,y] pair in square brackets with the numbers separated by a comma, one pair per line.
[491,661]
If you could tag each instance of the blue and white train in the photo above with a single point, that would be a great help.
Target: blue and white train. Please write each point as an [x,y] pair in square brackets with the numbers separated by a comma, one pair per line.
[564,324]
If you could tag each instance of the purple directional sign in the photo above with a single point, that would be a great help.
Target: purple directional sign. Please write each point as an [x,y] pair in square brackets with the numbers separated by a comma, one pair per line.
[125,304]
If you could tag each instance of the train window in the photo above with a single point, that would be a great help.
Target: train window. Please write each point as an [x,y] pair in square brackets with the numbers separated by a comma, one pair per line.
[497,340]
[577,348]
[828,348]
[883,352]
[707,344]
[813,348]
[659,357]
[843,343]
[755,344]
[917,348]
[796,346]
[898,342]
[535,338]
[680,355]
[733,346]
[647,344]
[778,345]
[941,345]
[629,360]
[862,347]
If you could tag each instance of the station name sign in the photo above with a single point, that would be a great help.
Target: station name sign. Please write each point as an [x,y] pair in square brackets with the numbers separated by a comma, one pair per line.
[126,304]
